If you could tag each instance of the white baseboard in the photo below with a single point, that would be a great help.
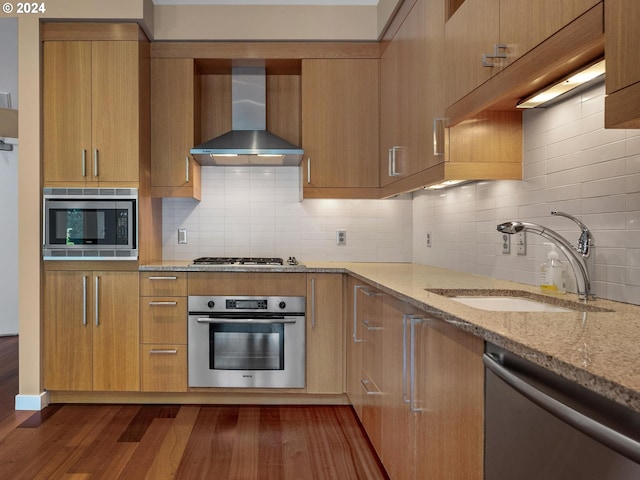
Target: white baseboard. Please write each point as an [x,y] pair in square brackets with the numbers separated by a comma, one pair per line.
[32,402]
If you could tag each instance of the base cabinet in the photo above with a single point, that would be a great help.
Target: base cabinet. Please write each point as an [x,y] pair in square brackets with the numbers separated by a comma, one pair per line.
[91,331]
[421,387]
[325,359]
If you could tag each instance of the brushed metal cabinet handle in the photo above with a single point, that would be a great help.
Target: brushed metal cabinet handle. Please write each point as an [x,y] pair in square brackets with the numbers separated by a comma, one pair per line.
[172,351]
[95,162]
[97,300]
[153,304]
[163,278]
[84,300]
[187,171]
[84,162]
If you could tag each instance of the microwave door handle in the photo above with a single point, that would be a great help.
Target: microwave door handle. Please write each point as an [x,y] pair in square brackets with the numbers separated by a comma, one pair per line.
[258,321]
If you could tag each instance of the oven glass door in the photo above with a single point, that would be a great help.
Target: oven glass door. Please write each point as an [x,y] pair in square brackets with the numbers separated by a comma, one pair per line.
[246,346]
[81,223]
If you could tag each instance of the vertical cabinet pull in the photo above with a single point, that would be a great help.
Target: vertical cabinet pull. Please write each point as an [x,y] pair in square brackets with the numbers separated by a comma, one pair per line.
[84,162]
[439,129]
[95,162]
[97,300]
[313,303]
[308,169]
[187,169]
[412,368]
[84,300]
[392,161]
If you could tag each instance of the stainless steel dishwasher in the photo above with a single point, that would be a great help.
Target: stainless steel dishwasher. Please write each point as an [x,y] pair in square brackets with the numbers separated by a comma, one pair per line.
[539,426]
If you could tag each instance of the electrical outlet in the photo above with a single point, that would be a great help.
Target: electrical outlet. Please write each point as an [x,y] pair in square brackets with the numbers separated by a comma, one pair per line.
[506,243]
[521,243]
[182,236]
[428,239]
[341,237]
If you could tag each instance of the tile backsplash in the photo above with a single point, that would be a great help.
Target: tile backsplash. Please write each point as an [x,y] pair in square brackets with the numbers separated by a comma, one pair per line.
[571,164]
[255,211]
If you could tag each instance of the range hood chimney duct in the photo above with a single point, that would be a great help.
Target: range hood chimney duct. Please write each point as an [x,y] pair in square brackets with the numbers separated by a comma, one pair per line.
[248,143]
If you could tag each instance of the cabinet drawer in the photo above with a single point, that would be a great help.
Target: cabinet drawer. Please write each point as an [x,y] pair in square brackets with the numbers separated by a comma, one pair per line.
[172,284]
[163,320]
[164,368]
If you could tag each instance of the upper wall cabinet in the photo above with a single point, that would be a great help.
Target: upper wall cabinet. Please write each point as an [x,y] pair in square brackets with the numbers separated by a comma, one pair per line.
[94,118]
[412,91]
[485,36]
[175,123]
[622,109]
[340,127]
[417,147]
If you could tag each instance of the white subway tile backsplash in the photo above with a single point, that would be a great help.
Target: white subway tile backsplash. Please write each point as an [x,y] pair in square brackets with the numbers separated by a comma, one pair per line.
[572,164]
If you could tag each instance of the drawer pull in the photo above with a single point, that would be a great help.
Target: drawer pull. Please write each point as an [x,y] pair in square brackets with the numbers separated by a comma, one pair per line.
[163,352]
[163,278]
[369,326]
[365,384]
[171,304]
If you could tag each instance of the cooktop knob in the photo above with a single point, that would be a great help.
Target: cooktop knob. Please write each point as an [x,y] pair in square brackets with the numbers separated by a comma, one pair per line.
[282,305]
[211,304]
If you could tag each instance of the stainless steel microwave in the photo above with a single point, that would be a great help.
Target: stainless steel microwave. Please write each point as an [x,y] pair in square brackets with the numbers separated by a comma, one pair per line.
[90,224]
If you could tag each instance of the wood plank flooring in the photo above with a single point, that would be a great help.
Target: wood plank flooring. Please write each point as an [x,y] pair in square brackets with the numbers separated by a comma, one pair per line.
[158,442]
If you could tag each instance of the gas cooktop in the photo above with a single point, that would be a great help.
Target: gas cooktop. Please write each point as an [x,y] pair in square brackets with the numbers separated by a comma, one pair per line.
[248,261]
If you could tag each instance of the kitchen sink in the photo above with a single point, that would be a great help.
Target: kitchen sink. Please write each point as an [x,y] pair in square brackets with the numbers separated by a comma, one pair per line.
[514,301]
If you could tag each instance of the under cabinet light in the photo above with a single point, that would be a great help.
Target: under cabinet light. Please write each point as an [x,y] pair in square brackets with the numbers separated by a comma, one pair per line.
[445,184]
[565,85]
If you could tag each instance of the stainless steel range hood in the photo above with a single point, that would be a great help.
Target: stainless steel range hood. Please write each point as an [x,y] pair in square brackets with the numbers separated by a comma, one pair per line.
[248,143]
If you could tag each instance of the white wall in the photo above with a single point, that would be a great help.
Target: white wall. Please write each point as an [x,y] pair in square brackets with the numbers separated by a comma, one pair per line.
[256,212]
[571,164]
[9,186]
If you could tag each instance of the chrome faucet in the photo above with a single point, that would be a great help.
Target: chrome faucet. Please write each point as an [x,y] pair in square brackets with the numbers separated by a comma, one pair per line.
[575,255]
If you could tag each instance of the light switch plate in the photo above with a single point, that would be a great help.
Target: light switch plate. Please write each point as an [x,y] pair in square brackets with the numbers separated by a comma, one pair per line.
[521,243]
[182,236]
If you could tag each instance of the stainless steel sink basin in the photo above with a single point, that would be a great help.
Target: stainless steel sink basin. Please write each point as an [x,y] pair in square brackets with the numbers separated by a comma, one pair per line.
[509,304]
[514,300]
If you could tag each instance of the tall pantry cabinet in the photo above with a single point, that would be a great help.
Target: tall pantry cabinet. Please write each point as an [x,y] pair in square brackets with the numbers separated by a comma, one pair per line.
[96,134]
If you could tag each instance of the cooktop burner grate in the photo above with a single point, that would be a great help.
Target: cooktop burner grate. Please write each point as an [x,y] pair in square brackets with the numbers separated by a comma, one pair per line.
[238,261]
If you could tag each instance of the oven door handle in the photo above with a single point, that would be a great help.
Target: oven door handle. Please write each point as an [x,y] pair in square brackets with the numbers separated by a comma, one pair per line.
[262,321]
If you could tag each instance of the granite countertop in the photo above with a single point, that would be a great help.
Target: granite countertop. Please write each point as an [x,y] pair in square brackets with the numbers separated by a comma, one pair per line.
[597,349]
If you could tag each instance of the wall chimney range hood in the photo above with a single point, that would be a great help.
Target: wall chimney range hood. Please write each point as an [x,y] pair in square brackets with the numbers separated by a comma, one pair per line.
[248,143]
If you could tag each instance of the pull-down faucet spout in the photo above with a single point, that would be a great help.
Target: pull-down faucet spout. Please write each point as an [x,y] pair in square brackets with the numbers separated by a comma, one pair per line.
[575,256]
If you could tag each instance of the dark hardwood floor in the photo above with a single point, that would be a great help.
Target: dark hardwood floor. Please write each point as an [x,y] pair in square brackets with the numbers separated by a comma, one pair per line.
[178,441]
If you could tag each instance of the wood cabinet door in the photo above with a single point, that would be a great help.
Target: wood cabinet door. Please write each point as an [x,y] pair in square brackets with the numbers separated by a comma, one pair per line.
[471,32]
[115,114]
[525,24]
[173,120]
[622,51]
[66,112]
[448,391]
[353,337]
[340,122]
[398,452]
[389,112]
[116,338]
[67,331]
[325,358]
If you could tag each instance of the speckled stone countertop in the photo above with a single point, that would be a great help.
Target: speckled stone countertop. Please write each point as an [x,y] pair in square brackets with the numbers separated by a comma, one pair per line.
[599,350]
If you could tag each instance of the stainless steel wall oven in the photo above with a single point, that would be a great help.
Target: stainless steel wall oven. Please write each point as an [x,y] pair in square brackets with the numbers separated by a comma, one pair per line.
[90,224]
[246,341]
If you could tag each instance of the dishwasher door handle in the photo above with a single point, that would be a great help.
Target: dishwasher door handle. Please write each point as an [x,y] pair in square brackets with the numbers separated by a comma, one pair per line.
[613,439]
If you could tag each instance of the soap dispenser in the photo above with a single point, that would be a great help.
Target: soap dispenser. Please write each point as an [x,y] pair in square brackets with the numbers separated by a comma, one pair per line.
[553,273]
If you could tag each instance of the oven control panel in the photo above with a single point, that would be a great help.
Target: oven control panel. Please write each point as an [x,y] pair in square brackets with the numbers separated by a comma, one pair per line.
[246,304]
